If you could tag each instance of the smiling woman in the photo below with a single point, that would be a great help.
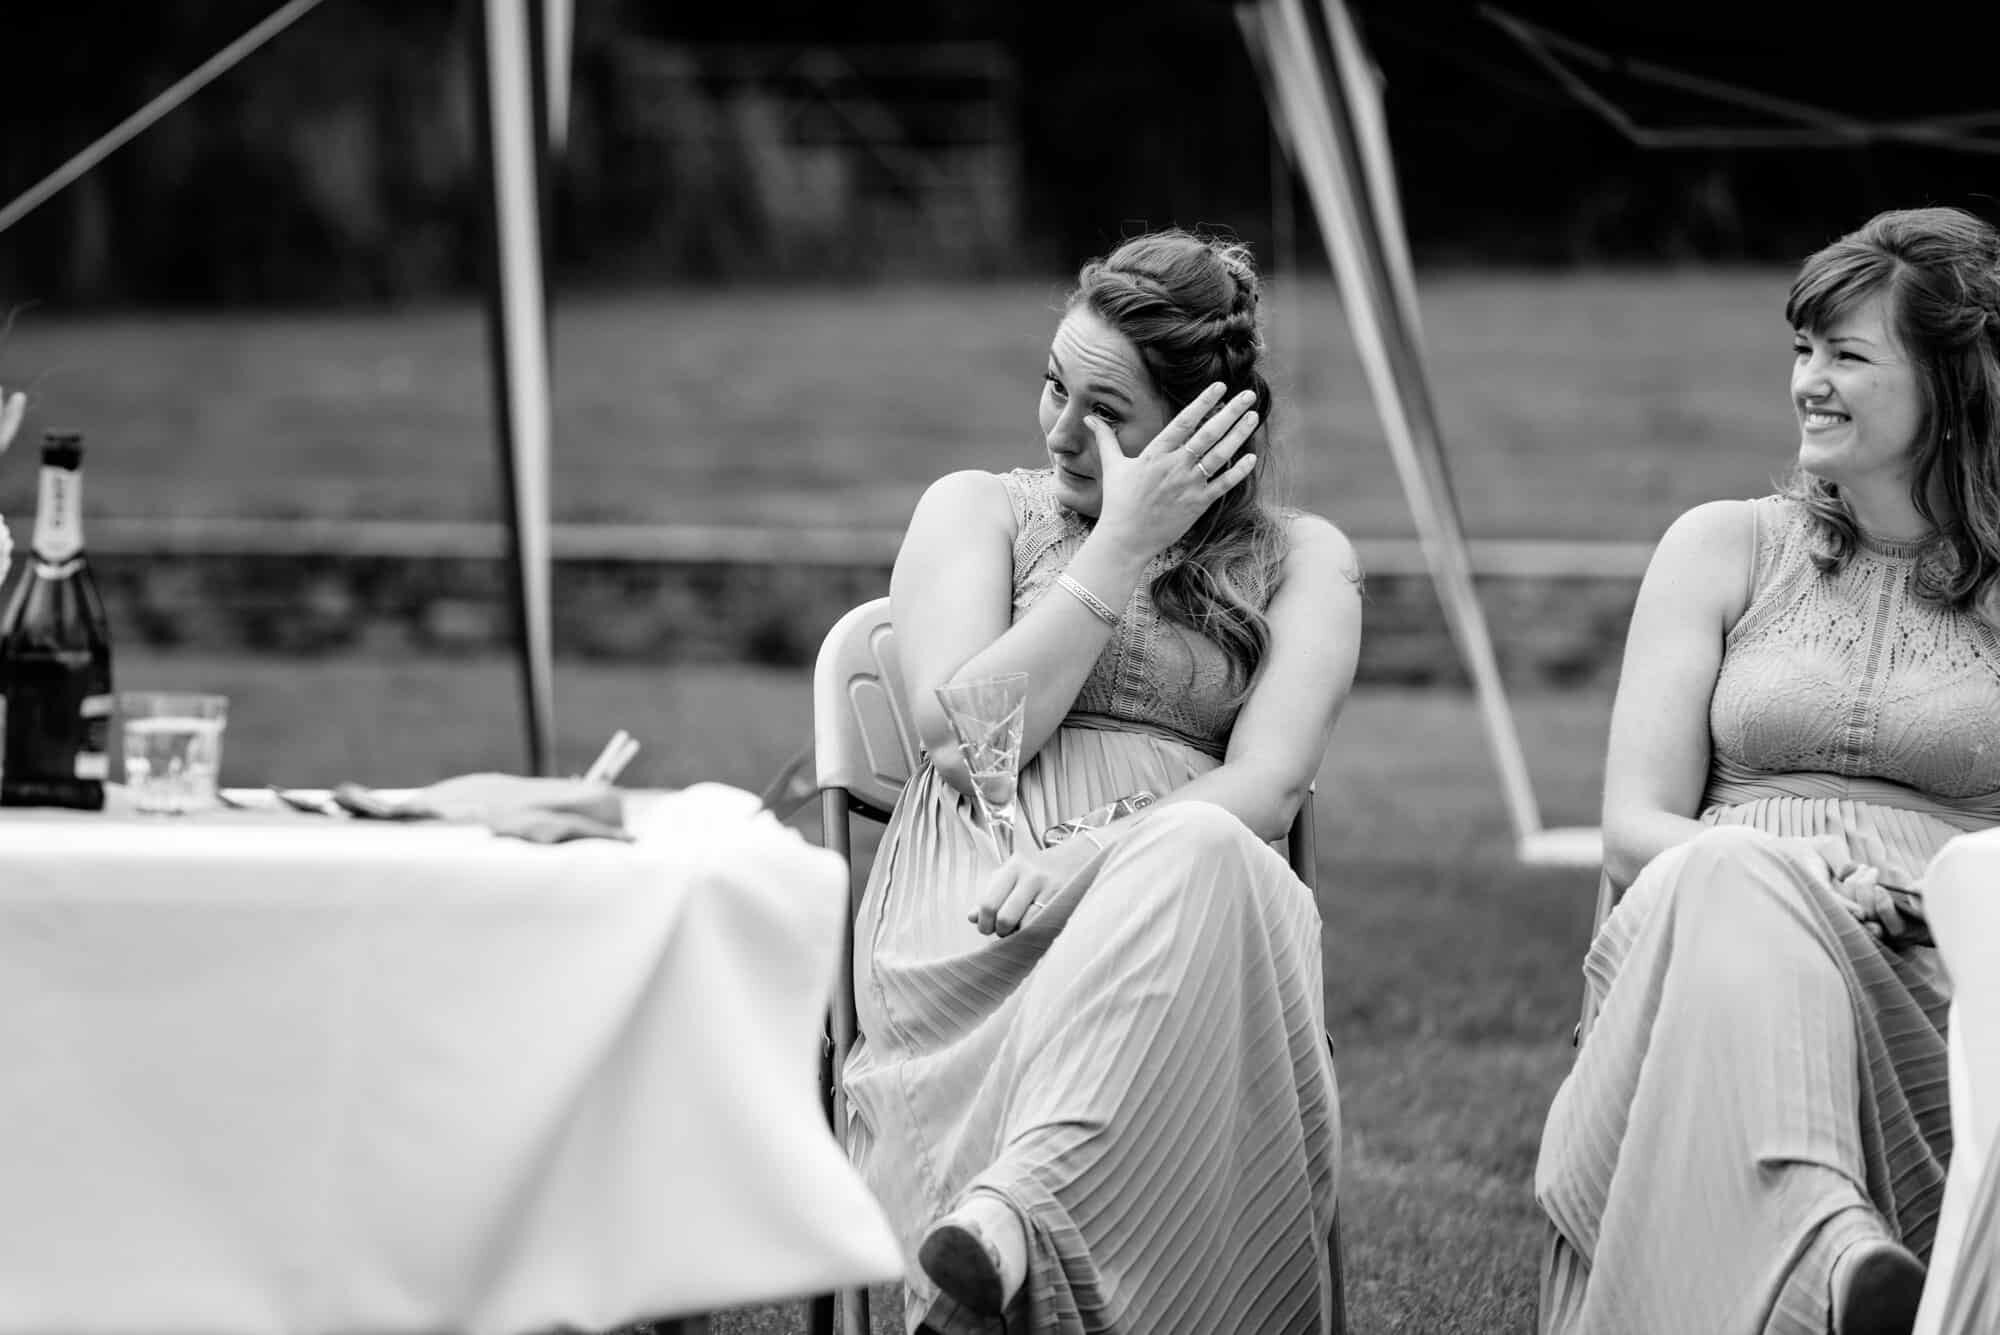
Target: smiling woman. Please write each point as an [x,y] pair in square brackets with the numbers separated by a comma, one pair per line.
[1898,393]
[1810,687]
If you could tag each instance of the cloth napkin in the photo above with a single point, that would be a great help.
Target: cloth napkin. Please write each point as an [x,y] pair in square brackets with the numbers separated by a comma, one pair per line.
[542,811]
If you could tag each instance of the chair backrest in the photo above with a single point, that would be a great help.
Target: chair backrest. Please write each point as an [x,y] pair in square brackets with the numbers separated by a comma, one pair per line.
[863,740]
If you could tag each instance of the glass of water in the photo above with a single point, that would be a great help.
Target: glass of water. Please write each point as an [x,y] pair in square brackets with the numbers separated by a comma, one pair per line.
[173,749]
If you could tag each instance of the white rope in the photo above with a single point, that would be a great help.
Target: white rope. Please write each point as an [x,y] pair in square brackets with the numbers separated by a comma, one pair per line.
[139,121]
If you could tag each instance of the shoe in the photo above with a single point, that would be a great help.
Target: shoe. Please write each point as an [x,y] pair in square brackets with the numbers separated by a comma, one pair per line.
[1877,1285]
[970,1255]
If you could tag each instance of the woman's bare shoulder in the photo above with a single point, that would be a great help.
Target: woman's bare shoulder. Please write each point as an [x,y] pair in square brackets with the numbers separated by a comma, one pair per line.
[1703,563]
[967,486]
[1714,535]
[968,496]
[1725,520]
[1317,542]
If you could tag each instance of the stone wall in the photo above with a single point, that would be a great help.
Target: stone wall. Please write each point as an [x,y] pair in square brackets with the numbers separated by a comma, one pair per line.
[1546,631]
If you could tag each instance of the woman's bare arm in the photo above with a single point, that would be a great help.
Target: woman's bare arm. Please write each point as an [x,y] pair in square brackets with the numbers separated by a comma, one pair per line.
[1657,759]
[1281,733]
[951,598]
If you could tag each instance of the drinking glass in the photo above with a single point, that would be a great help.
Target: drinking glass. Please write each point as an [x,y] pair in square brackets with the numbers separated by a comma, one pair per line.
[987,716]
[173,749]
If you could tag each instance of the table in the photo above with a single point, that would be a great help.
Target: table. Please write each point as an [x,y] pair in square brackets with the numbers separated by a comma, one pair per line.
[1962,902]
[278,1074]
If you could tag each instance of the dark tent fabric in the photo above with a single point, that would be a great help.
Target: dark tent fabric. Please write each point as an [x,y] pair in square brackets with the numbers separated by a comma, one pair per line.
[1494,148]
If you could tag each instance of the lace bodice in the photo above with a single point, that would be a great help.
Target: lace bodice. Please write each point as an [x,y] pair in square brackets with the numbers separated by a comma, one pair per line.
[1153,673]
[1853,674]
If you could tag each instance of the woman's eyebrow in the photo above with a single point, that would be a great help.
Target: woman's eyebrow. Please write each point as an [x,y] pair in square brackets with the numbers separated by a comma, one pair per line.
[1101,391]
[1835,338]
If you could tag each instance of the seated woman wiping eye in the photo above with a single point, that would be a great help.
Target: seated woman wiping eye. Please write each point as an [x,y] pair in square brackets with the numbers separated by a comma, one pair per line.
[1093,1088]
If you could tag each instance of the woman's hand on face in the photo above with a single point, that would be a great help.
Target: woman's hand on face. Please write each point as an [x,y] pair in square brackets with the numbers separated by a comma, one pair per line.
[1152,498]
[1023,884]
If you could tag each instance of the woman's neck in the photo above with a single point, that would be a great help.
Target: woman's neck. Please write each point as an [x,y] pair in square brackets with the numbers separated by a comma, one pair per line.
[1886,512]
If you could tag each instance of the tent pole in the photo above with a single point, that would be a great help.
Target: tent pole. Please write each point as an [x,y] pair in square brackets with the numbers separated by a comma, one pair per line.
[512,143]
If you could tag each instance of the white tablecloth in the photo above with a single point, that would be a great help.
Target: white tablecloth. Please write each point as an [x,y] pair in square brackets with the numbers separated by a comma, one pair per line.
[1962,902]
[271,1074]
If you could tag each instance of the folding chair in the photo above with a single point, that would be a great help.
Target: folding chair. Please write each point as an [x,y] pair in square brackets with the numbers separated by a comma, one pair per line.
[865,749]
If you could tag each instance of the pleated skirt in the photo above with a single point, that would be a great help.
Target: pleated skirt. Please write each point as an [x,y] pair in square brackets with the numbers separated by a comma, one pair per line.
[1141,1070]
[1764,1082]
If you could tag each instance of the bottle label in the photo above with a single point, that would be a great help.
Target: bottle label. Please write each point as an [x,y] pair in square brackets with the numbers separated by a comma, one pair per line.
[59,522]
[93,755]
[58,730]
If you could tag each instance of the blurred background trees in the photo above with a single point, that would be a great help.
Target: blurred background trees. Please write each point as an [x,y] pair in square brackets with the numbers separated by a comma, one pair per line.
[790,139]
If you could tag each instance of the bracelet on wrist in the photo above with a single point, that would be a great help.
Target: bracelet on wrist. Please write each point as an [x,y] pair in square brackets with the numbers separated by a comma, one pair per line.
[1098,608]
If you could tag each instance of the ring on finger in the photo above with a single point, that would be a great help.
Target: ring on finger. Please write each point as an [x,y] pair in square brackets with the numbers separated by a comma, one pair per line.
[1201,466]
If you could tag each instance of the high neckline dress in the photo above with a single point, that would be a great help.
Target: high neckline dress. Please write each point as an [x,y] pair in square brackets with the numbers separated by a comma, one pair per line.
[1762,1074]
[1142,1069]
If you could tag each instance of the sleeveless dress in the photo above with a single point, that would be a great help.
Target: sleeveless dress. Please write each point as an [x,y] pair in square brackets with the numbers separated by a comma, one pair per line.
[1142,1069]
[1762,1071]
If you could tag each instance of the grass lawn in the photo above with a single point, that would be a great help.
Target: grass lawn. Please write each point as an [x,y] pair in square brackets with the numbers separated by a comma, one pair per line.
[1452,972]
[1591,405]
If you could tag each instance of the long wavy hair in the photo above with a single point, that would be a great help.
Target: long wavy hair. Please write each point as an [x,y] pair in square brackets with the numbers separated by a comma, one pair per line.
[1940,268]
[1188,303]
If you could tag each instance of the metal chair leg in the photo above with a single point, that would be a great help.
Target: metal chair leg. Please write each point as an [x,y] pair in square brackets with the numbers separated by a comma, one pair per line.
[854,1312]
[846,1311]
[1337,1277]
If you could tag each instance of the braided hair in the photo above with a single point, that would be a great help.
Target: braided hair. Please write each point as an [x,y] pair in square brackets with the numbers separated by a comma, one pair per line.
[1189,306]
[1940,268]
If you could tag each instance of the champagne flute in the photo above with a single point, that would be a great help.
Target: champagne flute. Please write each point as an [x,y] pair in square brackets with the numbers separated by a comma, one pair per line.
[987,717]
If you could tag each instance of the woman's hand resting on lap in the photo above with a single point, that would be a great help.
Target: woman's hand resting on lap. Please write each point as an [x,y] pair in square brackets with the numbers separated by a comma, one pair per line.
[1857,885]
[1859,888]
[1025,881]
